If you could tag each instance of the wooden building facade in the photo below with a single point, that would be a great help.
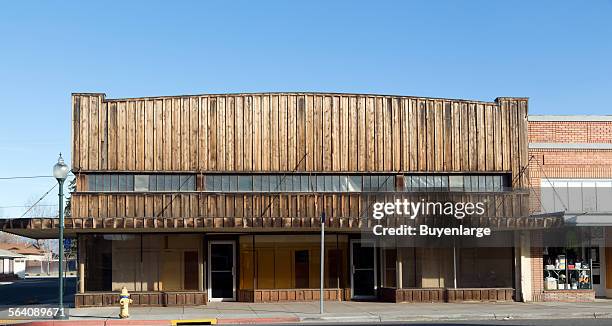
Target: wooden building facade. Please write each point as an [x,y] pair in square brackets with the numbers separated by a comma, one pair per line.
[187,199]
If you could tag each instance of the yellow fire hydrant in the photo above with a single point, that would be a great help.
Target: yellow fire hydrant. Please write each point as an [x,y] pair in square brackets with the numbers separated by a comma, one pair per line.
[124,301]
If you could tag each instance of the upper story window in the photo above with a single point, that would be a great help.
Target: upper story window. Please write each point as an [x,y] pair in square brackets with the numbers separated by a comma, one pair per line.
[104,182]
[460,182]
[297,182]
[288,183]
[353,183]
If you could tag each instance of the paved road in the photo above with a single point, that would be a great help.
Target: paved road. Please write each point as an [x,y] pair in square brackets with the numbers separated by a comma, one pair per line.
[543,322]
[36,291]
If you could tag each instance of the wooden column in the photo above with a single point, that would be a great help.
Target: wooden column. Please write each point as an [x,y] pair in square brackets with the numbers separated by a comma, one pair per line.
[201,266]
[81,259]
[398,267]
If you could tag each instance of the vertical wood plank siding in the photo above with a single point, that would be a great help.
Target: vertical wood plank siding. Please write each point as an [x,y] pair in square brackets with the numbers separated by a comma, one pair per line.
[273,132]
[284,132]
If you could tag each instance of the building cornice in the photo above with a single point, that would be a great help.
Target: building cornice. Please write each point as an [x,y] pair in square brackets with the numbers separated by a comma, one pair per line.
[569,118]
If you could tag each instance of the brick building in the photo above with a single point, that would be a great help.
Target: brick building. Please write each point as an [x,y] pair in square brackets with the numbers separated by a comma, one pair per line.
[570,171]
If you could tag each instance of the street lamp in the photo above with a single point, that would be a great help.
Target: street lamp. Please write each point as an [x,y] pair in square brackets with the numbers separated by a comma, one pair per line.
[60,172]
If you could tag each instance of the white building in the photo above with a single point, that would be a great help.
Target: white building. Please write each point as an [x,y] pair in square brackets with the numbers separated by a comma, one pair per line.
[11,264]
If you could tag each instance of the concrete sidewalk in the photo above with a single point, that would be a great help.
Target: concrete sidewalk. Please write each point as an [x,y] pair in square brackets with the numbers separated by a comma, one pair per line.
[361,311]
[340,312]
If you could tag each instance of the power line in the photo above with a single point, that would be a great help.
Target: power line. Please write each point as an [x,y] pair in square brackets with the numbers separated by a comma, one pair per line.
[38,201]
[20,206]
[26,177]
[30,177]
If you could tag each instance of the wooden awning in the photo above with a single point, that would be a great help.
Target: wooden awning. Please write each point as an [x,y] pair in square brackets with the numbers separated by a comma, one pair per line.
[42,228]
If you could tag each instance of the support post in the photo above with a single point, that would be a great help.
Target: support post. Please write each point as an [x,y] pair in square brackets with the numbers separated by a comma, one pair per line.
[322,262]
[454,264]
[399,267]
[81,252]
[201,270]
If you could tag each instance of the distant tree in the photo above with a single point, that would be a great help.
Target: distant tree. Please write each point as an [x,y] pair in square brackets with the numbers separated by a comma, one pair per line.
[46,209]
[12,238]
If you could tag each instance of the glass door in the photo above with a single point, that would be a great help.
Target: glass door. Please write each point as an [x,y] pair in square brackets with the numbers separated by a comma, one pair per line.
[221,271]
[363,269]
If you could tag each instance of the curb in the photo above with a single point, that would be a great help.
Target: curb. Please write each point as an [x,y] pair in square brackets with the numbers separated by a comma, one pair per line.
[519,316]
[99,322]
[455,317]
[252,321]
[316,319]
[122,322]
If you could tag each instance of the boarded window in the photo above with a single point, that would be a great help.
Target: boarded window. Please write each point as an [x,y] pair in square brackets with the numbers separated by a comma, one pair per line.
[191,270]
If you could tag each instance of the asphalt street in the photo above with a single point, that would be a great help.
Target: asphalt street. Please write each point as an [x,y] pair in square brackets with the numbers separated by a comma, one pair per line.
[32,291]
[540,322]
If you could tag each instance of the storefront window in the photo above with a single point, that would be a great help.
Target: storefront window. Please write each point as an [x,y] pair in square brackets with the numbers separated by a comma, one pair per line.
[270,262]
[141,262]
[441,267]
[567,269]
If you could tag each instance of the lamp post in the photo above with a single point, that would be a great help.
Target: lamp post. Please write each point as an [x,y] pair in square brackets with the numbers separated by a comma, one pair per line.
[60,172]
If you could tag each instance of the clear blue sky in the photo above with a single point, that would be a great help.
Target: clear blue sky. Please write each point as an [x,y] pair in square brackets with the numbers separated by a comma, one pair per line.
[554,52]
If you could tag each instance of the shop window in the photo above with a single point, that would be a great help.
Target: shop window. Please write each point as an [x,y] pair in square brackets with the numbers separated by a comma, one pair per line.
[283,263]
[484,267]
[141,262]
[98,264]
[568,268]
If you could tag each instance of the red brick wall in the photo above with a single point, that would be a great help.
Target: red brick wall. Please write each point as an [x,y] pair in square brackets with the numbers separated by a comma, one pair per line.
[569,296]
[537,266]
[567,163]
[564,164]
[570,131]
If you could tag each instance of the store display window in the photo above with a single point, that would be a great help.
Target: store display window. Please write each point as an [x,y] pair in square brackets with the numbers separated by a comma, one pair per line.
[567,269]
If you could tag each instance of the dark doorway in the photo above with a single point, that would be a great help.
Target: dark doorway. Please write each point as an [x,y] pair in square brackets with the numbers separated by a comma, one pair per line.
[302,272]
[363,270]
[221,271]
